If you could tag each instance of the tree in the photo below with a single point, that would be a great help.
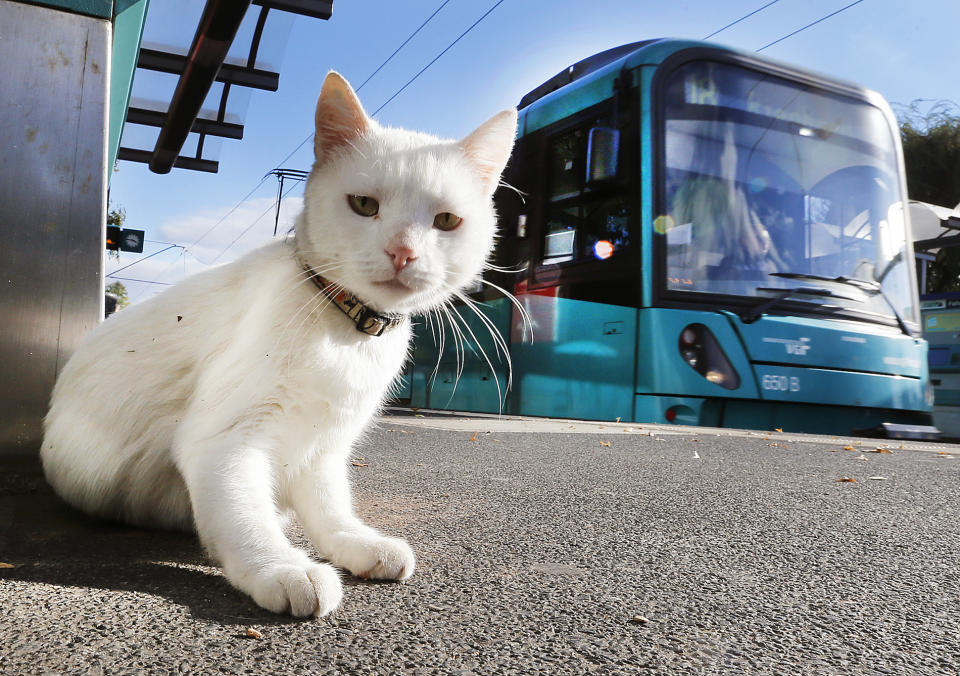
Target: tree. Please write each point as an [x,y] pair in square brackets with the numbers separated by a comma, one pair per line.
[931,152]
[120,291]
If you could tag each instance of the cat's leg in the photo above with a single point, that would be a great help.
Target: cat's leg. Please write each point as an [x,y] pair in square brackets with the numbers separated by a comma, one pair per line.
[231,487]
[320,495]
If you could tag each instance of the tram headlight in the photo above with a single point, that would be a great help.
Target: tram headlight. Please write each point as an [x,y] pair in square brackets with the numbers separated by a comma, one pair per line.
[702,352]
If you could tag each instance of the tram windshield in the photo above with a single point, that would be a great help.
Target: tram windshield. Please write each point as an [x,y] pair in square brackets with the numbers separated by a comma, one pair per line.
[777,190]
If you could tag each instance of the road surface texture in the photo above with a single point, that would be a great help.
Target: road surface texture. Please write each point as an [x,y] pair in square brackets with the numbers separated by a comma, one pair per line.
[543,548]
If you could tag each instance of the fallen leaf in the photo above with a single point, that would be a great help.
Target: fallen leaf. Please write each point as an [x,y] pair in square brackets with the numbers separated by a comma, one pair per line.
[880,450]
[639,619]
[618,418]
[253,633]
[846,480]
[877,478]
[6,565]
[861,457]
[359,464]
[849,448]
[778,429]
[474,437]
[605,443]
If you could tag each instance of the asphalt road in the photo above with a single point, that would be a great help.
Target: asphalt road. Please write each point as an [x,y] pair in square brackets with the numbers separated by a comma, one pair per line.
[566,548]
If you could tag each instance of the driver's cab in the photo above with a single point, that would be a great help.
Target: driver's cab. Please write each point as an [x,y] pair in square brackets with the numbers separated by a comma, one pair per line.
[777,188]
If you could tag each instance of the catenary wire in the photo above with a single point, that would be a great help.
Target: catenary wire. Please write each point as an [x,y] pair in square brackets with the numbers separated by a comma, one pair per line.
[810,25]
[437,57]
[742,18]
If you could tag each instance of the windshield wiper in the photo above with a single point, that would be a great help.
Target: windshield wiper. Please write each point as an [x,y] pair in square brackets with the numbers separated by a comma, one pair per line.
[873,288]
[754,313]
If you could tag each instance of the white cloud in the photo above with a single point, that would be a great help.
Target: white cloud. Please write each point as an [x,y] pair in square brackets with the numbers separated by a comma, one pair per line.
[209,237]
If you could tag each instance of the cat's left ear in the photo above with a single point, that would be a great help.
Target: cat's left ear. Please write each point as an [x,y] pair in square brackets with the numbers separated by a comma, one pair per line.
[488,147]
[340,117]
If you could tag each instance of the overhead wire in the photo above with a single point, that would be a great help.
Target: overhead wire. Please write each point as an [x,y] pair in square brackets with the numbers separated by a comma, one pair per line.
[742,18]
[810,25]
[250,227]
[437,57]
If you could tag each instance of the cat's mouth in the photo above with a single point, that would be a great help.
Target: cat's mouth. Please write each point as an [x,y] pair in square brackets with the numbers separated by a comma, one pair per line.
[394,285]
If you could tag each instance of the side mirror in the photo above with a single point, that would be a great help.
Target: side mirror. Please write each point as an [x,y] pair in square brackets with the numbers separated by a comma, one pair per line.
[603,149]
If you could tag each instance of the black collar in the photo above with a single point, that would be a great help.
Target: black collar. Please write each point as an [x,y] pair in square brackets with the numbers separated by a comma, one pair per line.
[368,321]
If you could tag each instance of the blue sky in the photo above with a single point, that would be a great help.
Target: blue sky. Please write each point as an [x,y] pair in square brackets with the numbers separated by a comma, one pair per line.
[905,51]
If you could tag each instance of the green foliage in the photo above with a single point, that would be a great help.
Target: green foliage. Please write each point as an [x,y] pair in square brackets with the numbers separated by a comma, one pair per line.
[120,291]
[116,217]
[931,152]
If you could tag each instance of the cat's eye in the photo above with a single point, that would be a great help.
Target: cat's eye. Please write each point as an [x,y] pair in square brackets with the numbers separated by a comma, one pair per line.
[446,221]
[363,205]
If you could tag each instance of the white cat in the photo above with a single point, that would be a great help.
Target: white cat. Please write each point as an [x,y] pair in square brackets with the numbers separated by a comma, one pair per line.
[237,394]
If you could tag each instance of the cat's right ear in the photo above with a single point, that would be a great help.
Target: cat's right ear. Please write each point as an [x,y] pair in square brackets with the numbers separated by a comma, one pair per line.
[340,117]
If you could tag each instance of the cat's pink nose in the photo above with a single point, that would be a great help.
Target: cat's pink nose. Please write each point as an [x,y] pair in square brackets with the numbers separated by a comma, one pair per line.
[401,256]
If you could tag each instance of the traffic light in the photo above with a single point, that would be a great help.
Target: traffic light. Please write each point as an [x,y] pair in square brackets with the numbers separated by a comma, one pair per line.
[113,238]
[124,240]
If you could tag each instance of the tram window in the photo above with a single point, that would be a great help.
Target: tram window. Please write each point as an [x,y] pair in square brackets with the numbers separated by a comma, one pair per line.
[581,224]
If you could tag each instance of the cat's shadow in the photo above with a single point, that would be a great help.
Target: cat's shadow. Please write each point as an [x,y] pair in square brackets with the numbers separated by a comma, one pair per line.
[49,542]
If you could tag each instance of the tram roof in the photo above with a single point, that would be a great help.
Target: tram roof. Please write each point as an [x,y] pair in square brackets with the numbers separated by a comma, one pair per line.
[590,81]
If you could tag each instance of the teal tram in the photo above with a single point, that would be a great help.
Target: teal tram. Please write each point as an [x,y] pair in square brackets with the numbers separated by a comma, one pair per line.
[698,236]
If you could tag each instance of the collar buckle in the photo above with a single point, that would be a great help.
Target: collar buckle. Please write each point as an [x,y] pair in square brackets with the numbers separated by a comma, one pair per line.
[373,323]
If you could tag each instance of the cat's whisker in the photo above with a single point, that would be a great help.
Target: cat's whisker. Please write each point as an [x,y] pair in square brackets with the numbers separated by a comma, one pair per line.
[524,315]
[320,300]
[459,352]
[520,193]
[512,271]
[304,277]
[315,302]
[499,341]
[500,393]
[438,334]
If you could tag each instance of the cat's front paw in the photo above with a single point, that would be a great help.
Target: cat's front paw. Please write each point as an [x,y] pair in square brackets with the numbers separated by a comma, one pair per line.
[374,556]
[297,589]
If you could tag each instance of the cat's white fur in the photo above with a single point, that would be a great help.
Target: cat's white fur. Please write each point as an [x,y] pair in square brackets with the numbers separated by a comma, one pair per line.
[237,395]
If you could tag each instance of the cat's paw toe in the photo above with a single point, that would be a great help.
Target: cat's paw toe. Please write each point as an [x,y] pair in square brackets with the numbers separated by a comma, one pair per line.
[300,590]
[377,557]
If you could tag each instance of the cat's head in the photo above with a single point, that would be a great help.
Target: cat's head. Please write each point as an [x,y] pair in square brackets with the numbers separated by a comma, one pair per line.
[401,219]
